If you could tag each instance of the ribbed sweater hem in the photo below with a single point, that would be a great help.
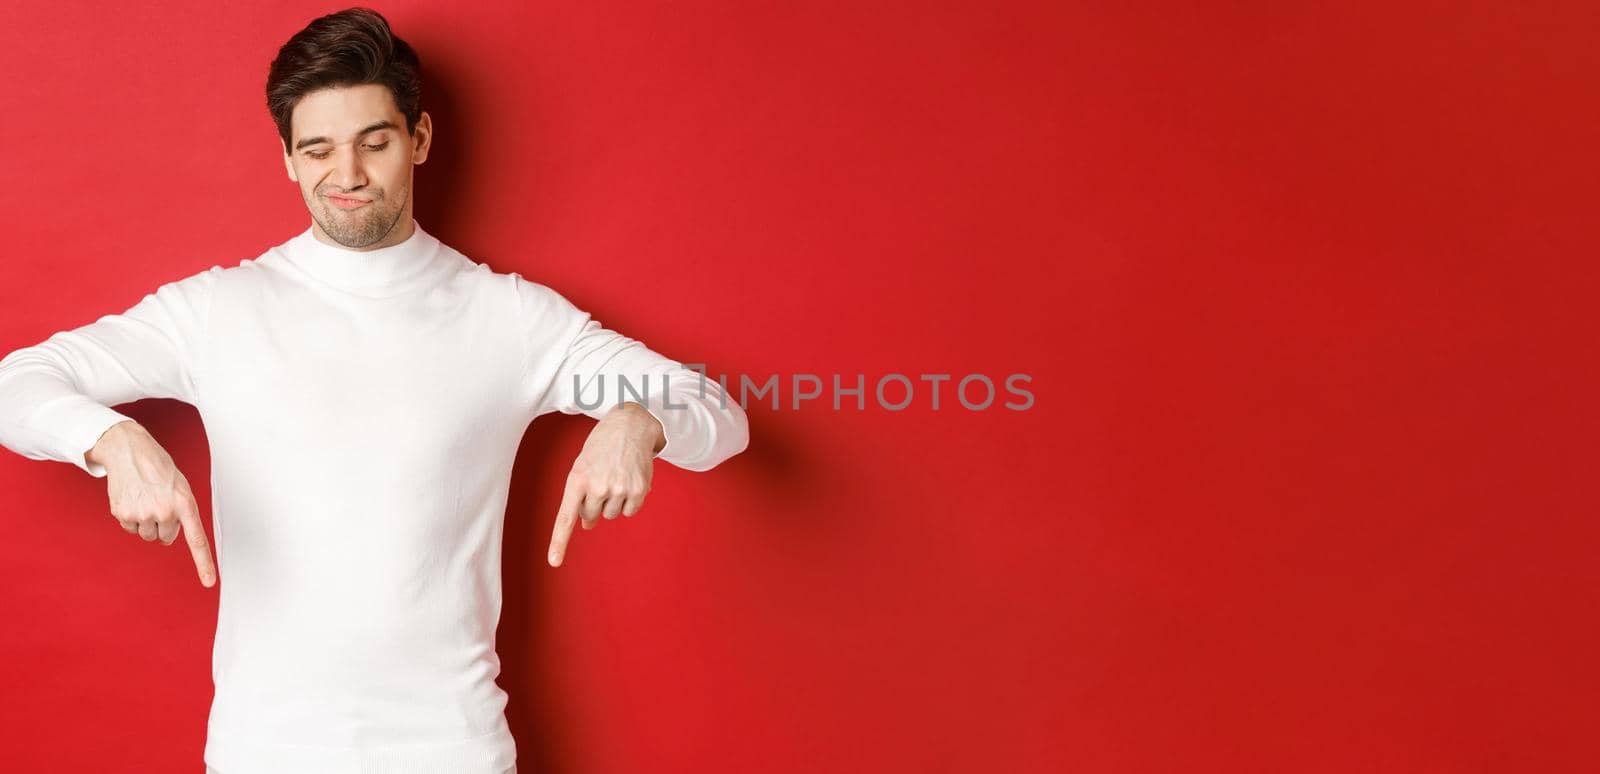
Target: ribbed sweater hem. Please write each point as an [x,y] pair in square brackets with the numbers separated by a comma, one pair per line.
[491,753]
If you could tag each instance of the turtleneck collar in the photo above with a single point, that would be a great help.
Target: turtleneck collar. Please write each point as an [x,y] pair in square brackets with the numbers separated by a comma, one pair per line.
[373,273]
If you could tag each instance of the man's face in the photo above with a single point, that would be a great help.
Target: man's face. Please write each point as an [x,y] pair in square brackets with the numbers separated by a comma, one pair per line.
[352,158]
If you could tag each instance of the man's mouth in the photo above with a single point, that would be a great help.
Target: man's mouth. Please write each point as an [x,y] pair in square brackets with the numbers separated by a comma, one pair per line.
[347,203]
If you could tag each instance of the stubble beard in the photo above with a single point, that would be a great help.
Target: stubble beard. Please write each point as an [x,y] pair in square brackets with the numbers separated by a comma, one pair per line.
[360,227]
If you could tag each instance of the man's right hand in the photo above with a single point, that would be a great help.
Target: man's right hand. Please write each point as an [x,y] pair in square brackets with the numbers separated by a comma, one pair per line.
[149,496]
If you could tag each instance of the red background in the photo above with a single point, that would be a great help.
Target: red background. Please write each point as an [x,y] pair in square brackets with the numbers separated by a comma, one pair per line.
[1305,292]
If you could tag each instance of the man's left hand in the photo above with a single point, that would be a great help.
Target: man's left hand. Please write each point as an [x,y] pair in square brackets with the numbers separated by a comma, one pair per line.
[611,475]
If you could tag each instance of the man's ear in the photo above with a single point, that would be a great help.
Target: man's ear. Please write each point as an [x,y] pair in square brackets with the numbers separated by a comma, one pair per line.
[422,135]
[288,166]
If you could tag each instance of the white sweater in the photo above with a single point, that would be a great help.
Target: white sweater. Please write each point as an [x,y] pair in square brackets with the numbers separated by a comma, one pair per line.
[363,410]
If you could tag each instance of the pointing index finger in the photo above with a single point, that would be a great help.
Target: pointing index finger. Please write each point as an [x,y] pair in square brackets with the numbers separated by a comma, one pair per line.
[194,534]
[566,517]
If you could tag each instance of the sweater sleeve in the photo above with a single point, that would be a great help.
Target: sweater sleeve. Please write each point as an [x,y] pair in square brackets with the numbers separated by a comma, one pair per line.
[55,396]
[576,365]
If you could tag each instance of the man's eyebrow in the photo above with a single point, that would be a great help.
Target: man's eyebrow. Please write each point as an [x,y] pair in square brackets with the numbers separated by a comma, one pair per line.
[372,127]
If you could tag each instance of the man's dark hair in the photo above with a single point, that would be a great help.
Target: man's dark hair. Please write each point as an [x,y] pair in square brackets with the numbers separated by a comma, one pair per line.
[348,48]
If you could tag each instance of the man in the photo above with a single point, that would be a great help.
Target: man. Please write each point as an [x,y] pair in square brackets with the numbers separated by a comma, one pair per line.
[364,389]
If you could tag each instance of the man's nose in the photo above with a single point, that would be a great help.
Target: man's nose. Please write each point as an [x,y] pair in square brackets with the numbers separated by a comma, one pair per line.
[348,174]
